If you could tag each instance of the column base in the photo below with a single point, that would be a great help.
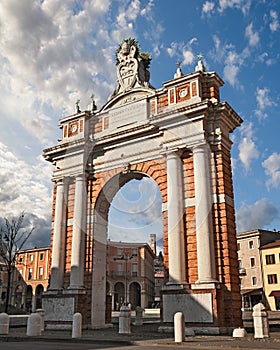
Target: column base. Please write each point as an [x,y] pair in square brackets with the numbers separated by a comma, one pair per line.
[205,285]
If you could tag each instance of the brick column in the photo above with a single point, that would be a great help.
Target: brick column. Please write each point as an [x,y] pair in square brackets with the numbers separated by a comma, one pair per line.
[176,245]
[58,246]
[203,214]
[78,237]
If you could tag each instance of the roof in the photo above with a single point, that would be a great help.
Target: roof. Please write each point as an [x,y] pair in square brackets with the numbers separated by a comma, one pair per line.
[271,245]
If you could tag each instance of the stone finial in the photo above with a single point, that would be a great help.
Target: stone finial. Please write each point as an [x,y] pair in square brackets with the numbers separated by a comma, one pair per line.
[200,66]
[93,105]
[78,106]
[179,72]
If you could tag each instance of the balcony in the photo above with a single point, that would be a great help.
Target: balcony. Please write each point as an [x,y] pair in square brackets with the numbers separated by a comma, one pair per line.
[242,271]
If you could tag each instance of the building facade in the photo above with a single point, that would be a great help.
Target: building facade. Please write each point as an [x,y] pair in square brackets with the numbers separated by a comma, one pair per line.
[179,136]
[251,265]
[270,257]
[30,278]
[130,274]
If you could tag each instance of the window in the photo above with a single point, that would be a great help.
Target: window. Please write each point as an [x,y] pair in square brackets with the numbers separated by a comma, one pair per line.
[239,263]
[272,279]
[252,262]
[31,257]
[270,259]
[134,270]
[120,251]
[134,251]
[251,244]
[29,274]
[254,281]
[20,259]
[238,246]
[41,271]
[120,270]
[41,256]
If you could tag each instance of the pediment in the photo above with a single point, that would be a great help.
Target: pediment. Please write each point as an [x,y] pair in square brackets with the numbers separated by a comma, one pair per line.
[133,95]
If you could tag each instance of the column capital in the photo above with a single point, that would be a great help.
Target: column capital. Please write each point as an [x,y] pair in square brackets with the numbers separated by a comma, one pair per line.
[62,181]
[200,147]
[171,153]
[81,177]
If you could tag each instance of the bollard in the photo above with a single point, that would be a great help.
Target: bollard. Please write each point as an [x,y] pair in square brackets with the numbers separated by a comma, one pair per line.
[4,323]
[239,333]
[77,325]
[34,325]
[179,327]
[124,320]
[138,316]
[260,319]
[41,312]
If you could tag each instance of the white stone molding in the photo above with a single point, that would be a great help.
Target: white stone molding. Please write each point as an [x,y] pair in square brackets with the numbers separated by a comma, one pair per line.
[176,245]
[78,237]
[203,214]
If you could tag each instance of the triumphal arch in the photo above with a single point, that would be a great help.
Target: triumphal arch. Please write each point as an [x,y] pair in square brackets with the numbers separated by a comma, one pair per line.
[177,135]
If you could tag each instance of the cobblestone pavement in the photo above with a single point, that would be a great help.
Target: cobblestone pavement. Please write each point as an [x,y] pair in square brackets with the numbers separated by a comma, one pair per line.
[146,336]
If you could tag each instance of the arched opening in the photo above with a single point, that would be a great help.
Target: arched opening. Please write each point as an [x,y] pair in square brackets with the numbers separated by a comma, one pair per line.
[38,296]
[28,302]
[135,295]
[18,296]
[122,229]
[118,295]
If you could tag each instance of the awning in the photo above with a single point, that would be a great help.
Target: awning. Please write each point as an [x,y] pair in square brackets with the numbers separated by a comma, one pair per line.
[256,291]
[275,293]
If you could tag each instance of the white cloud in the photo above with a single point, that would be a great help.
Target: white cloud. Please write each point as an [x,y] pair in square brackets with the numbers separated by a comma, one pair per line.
[256,216]
[247,147]
[208,7]
[272,169]
[29,189]
[252,36]
[263,102]
[274,24]
[243,5]
[135,212]
[188,57]
[183,51]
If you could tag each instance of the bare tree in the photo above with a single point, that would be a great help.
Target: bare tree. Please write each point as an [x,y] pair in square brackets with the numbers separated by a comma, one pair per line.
[12,239]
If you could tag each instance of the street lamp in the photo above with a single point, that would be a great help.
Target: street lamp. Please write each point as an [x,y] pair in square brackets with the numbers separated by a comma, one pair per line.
[125,257]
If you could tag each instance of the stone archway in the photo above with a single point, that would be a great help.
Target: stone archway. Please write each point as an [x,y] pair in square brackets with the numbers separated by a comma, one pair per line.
[100,232]
[178,135]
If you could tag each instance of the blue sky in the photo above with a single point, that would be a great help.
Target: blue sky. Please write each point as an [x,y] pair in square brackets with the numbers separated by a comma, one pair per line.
[54,52]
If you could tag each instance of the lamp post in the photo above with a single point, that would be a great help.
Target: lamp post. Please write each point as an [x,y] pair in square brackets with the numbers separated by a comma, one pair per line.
[125,257]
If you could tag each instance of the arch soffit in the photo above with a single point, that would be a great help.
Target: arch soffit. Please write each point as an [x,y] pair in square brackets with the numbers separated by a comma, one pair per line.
[112,186]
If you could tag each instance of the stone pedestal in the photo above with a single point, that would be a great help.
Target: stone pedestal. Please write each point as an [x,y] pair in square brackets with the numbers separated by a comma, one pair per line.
[34,325]
[125,320]
[138,316]
[77,325]
[260,319]
[4,323]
